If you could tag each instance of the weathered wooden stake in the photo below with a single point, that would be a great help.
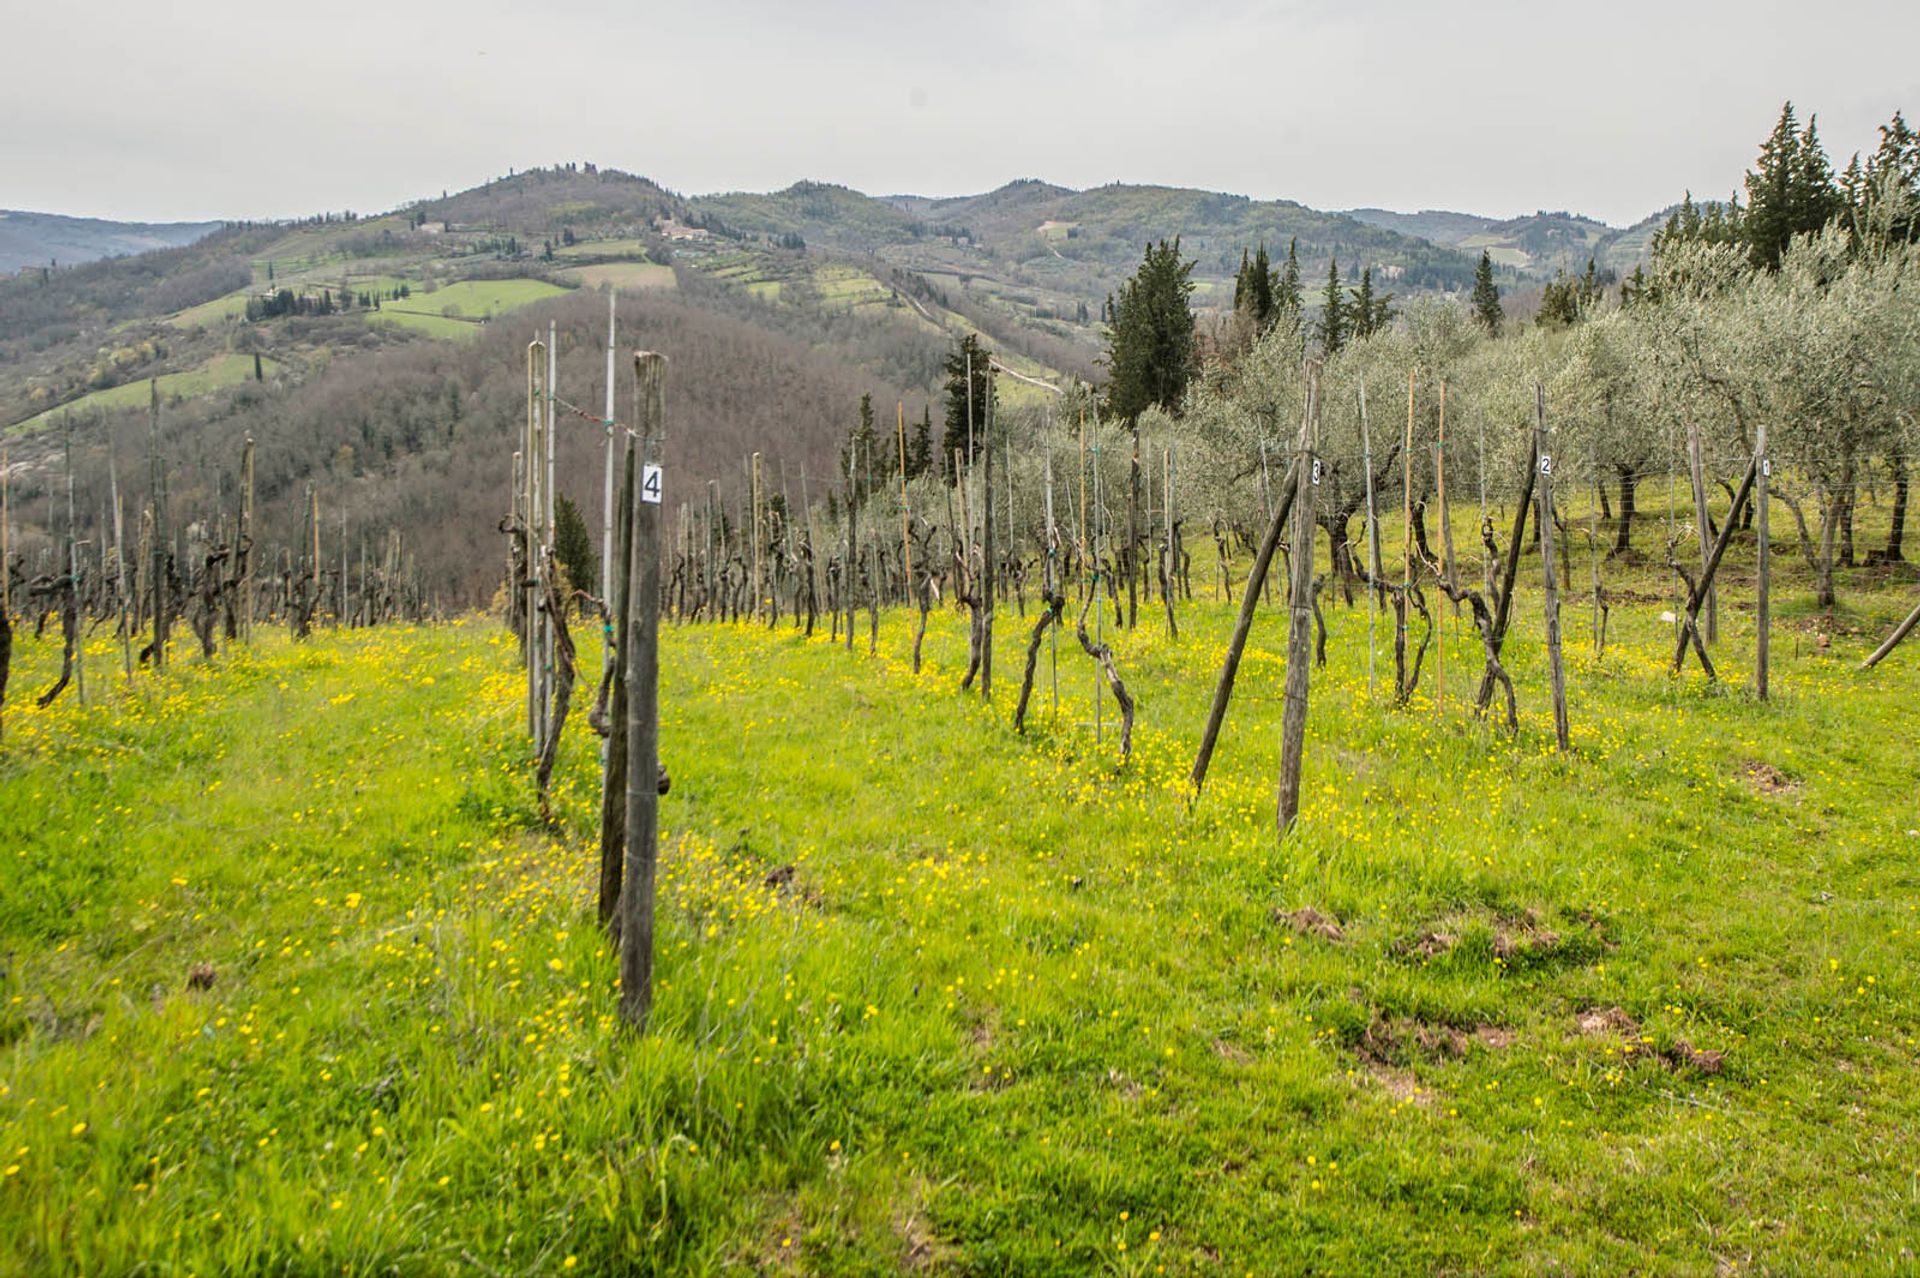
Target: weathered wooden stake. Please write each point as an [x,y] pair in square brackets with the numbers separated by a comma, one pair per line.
[642,667]
[613,791]
[1764,606]
[1703,522]
[1544,464]
[1293,721]
[1243,624]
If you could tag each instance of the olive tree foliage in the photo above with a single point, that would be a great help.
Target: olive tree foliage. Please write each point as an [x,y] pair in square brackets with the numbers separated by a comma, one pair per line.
[1821,351]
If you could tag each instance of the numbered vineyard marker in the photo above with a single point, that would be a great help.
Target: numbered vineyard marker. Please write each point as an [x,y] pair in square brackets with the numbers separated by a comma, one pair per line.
[1546,465]
[1316,472]
[1766,467]
[650,485]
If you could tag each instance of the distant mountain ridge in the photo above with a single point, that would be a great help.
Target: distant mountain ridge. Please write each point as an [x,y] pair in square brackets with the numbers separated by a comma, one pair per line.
[45,239]
[1538,244]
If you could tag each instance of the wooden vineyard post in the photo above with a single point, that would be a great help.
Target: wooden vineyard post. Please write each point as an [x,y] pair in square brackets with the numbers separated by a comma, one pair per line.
[1544,463]
[119,558]
[986,553]
[613,791]
[641,662]
[6,532]
[1446,551]
[759,539]
[1293,722]
[906,520]
[1763,612]
[606,503]
[1373,536]
[158,486]
[1401,691]
[245,546]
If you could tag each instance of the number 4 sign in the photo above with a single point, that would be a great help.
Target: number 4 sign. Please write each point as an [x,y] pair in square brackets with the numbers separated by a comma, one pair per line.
[650,485]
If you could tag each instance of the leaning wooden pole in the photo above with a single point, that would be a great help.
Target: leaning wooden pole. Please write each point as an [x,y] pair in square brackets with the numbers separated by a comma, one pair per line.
[1243,624]
[1900,632]
[1293,720]
[1689,622]
[1763,610]
[1555,670]
[641,662]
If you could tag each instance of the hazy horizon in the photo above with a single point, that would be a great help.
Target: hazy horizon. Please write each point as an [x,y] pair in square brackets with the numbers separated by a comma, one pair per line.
[229,111]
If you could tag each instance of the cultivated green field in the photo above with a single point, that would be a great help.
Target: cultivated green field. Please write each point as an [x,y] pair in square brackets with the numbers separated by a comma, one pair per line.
[622,275]
[459,309]
[299,981]
[217,373]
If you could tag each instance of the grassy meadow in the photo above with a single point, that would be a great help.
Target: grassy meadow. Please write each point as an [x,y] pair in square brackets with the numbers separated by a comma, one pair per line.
[298,980]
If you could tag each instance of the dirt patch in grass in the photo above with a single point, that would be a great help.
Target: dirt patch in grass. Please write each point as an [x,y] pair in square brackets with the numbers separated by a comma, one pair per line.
[1307,921]
[1395,1042]
[1514,940]
[1599,1022]
[1767,779]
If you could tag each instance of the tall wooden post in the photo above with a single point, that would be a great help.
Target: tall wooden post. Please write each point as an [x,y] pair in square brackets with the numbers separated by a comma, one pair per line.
[759,538]
[1446,567]
[244,548]
[1544,463]
[119,562]
[1373,536]
[6,531]
[1703,522]
[1293,721]
[1763,467]
[73,575]
[158,483]
[906,521]
[986,552]
[641,662]
[613,790]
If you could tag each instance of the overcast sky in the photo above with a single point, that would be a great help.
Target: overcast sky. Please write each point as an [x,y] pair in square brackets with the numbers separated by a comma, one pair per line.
[218,108]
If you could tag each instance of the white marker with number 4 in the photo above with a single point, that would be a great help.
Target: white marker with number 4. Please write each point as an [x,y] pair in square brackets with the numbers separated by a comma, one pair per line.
[650,485]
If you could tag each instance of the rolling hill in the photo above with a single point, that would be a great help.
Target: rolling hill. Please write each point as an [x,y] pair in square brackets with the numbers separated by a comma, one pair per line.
[391,348]
[48,239]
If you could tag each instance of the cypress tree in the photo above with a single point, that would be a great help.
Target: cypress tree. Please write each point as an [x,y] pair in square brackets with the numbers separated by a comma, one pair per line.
[573,544]
[1286,294]
[920,446]
[1486,296]
[968,351]
[1333,311]
[1150,347]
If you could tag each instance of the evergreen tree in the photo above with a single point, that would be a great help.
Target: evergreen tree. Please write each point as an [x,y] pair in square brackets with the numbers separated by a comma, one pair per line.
[1369,314]
[1333,311]
[1486,296]
[1286,294]
[573,545]
[920,445]
[856,456]
[1150,348]
[1790,192]
[1254,288]
[967,353]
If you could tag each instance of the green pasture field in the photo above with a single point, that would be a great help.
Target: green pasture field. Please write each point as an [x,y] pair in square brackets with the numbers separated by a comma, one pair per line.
[217,373]
[457,310]
[300,980]
[627,275]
